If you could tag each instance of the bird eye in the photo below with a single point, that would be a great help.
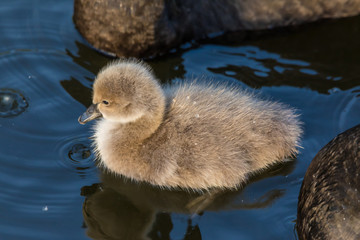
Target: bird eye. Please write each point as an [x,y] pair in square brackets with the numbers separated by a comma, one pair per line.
[105,102]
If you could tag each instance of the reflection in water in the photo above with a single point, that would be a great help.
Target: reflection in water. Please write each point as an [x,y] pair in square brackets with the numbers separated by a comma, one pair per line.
[78,91]
[119,208]
[192,232]
[259,68]
[90,60]
[162,227]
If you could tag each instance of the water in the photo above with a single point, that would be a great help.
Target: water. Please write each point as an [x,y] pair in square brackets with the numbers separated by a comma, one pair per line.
[50,186]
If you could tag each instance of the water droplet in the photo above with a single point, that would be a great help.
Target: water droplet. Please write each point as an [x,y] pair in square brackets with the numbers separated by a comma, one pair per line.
[12,103]
[79,152]
[76,155]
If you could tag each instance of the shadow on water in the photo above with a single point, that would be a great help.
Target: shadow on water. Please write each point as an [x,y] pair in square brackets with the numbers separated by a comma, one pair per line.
[91,61]
[118,208]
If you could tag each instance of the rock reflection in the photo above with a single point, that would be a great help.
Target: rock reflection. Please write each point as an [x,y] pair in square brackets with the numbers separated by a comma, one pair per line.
[86,57]
[78,91]
[119,208]
[259,68]
[92,62]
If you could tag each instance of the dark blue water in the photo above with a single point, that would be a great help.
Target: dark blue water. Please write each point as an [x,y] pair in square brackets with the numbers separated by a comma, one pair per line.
[50,187]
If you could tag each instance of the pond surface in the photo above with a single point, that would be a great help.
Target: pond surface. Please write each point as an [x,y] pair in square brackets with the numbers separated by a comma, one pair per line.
[50,185]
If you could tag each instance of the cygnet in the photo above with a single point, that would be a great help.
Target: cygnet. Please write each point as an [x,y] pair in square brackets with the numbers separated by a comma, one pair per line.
[194,134]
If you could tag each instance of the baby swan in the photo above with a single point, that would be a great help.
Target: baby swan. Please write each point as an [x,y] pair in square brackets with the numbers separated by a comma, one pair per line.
[191,135]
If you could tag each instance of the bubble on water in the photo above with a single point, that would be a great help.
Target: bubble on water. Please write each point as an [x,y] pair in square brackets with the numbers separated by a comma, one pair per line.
[79,152]
[45,208]
[12,103]
[76,155]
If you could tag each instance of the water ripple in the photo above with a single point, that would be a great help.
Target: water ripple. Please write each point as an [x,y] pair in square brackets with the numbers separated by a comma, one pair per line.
[76,155]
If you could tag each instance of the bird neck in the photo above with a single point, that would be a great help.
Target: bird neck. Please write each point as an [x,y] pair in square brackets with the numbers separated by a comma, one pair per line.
[137,131]
[142,128]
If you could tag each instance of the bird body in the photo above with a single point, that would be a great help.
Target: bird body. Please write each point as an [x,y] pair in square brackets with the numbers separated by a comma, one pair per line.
[329,198]
[193,135]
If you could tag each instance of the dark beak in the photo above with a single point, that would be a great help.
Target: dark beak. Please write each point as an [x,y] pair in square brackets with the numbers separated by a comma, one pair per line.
[91,113]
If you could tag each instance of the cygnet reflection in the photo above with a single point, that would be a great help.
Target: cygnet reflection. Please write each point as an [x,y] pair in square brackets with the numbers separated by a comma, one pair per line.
[118,208]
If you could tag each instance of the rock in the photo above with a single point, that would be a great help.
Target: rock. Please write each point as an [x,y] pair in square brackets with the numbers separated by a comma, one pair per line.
[148,28]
